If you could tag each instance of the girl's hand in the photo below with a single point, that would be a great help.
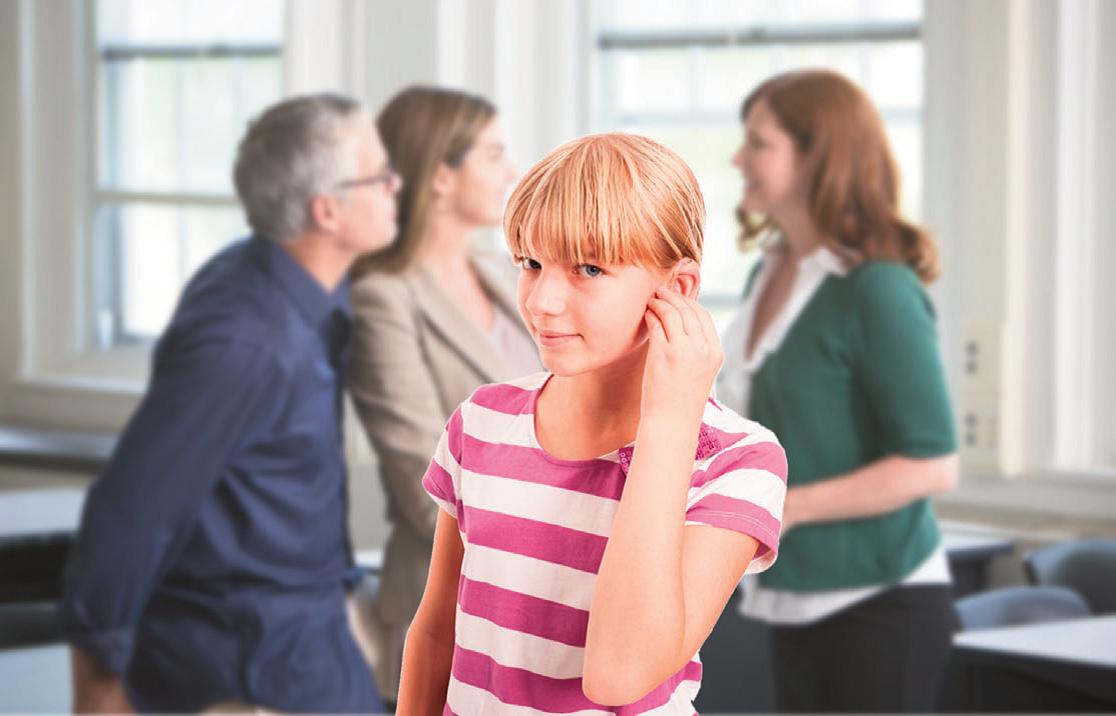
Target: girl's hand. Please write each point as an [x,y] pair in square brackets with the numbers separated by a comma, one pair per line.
[683,357]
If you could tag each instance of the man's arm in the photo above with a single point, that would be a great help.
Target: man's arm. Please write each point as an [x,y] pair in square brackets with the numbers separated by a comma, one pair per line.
[202,406]
[96,689]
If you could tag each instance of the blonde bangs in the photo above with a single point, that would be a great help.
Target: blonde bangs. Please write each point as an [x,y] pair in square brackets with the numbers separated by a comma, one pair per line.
[611,199]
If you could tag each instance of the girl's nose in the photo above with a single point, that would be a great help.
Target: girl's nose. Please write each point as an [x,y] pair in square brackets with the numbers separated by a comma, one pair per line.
[546,296]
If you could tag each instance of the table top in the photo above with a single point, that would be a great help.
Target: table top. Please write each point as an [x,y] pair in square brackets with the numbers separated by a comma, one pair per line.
[1090,641]
[40,511]
[962,544]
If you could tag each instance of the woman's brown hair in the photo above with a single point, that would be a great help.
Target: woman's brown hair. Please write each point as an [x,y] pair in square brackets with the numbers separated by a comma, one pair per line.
[854,179]
[422,127]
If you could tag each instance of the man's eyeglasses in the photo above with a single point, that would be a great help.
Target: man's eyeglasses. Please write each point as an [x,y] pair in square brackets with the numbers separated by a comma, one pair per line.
[387,176]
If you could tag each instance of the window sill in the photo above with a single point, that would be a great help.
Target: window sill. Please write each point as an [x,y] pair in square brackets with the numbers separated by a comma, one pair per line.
[71,402]
[1046,506]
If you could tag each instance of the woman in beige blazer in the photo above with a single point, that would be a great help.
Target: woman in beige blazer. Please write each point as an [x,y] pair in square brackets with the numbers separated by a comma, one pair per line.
[434,318]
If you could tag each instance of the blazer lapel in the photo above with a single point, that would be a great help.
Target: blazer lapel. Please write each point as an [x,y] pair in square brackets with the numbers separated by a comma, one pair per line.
[456,328]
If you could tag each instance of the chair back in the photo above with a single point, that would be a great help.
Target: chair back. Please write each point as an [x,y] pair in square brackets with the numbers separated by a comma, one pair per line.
[1028,604]
[1087,566]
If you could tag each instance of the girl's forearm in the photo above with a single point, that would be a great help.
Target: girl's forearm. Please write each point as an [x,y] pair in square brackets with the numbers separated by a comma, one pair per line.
[637,614]
[425,676]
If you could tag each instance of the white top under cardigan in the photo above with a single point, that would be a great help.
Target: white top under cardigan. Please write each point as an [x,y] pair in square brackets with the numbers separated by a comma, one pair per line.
[733,388]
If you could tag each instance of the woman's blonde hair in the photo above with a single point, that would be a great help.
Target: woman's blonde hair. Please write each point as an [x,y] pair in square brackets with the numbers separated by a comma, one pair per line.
[613,198]
[853,176]
[423,127]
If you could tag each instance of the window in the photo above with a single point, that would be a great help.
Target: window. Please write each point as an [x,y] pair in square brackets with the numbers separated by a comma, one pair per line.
[677,71]
[176,83]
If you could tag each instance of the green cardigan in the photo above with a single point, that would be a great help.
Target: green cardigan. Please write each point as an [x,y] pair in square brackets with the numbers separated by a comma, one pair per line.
[857,378]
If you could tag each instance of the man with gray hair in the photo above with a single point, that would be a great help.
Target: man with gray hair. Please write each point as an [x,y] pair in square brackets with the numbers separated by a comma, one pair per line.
[210,562]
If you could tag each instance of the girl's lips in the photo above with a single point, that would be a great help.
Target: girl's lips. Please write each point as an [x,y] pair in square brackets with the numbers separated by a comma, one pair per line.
[550,339]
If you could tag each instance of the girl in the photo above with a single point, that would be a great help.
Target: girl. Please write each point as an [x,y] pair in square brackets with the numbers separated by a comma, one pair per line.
[835,349]
[434,317]
[597,516]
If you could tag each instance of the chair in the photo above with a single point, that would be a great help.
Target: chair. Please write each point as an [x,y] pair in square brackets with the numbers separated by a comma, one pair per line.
[1019,605]
[1085,565]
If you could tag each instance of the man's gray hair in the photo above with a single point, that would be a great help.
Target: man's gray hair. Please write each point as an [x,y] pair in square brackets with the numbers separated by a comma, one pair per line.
[295,150]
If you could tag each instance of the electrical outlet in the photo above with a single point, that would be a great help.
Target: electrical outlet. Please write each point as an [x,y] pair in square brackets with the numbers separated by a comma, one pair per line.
[981,396]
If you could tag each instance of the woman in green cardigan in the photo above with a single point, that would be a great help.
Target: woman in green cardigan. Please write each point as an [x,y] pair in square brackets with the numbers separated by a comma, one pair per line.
[835,349]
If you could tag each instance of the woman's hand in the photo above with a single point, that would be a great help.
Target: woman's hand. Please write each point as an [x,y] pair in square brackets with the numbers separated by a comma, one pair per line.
[683,357]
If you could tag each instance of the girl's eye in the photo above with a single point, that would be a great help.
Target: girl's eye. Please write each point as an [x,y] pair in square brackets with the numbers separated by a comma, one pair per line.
[529,263]
[589,270]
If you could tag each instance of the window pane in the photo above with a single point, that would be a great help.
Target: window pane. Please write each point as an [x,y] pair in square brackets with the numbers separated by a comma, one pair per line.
[906,145]
[178,81]
[844,58]
[649,81]
[157,248]
[708,14]
[173,124]
[194,21]
[728,74]
[893,74]
[139,107]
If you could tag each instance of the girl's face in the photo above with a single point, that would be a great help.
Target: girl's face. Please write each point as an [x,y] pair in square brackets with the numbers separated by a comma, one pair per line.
[479,187]
[585,317]
[769,160]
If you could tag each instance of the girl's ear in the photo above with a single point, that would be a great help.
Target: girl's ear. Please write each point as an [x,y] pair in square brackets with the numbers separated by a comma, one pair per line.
[686,278]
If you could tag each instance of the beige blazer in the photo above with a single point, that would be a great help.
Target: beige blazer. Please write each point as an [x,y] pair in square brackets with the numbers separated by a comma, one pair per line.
[415,357]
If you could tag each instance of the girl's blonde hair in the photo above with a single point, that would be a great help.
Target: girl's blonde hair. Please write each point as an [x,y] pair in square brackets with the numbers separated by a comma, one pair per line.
[853,176]
[610,198]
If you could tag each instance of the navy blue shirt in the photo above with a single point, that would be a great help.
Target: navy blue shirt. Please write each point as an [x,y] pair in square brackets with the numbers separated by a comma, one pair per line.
[212,550]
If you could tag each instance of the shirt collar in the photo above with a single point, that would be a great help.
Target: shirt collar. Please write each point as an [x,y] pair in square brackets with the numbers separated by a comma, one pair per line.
[822,260]
[309,297]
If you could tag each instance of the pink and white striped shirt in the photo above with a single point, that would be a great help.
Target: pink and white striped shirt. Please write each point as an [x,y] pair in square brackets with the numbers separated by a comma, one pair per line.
[534,528]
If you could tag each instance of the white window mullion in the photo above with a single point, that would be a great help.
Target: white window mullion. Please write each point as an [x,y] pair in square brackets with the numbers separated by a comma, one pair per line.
[1076,227]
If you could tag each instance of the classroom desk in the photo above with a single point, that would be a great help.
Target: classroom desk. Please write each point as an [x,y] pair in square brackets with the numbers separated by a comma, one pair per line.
[970,556]
[1067,665]
[36,529]
[35,680]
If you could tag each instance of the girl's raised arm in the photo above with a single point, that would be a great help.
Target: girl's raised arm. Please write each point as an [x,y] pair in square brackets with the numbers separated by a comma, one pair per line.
[662,584]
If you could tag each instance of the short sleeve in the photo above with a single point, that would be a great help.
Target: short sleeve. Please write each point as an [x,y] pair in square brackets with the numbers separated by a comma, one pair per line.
[443,477]
[901,368]
[742,487]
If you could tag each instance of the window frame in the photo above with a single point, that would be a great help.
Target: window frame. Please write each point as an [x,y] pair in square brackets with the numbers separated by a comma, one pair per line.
[107,202]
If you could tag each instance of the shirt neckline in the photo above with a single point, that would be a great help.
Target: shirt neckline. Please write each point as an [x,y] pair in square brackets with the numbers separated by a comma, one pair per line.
[310,298]
[708,440]
[813,269]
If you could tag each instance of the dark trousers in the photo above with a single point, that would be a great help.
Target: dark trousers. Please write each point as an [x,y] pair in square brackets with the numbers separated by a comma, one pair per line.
[887,653]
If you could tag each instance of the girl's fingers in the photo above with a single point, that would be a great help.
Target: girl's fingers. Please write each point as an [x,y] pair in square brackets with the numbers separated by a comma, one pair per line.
[669,317]
[695,319]
[680,307]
